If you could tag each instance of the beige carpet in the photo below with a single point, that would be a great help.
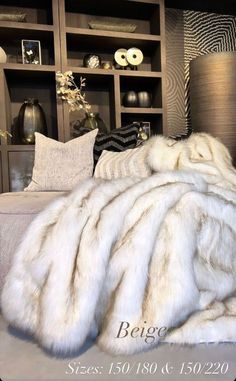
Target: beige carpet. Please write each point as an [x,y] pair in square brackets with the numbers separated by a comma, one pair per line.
[22,359]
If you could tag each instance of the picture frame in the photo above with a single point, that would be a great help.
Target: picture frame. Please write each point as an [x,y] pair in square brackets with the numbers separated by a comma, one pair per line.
[144,131]
[31,52]
[146,128]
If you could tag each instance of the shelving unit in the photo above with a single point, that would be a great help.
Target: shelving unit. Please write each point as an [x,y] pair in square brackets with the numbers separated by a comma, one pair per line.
[77,40]
[20,81]
[63,30]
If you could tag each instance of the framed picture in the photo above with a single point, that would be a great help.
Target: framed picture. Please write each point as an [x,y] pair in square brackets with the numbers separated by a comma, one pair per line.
[146,128]
[144,131]
[31,52]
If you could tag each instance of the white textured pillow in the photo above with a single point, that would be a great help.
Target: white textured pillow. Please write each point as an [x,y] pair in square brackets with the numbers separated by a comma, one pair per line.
[129,163]
[60,166]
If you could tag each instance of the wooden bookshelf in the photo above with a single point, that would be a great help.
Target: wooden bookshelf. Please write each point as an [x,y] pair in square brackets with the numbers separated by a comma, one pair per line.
[63,30]
[20,81]
[77,40]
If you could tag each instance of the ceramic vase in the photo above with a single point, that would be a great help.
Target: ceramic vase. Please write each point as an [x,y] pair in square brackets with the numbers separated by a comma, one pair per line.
[31,119]
[130,99]
[93,120]
[144,99]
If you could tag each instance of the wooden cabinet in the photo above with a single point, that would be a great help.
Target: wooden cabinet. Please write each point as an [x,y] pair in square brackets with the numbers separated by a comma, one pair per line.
[20,169]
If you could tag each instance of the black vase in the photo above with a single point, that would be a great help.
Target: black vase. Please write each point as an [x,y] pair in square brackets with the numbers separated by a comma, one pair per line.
[130,99]
[31,119]
[144,99]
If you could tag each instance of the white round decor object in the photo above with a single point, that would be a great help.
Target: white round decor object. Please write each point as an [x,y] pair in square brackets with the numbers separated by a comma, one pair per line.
[120,57]
[134,56]
[3,56]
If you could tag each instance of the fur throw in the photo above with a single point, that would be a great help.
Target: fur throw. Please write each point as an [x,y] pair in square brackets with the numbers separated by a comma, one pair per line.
[156,252]
[199,153]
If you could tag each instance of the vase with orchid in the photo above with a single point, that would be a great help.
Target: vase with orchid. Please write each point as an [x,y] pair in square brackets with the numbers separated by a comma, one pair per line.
[74,96]
[70,93]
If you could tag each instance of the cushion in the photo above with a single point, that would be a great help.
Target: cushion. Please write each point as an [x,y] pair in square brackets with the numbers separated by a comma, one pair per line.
[119,139]
[60,166]
[130,163]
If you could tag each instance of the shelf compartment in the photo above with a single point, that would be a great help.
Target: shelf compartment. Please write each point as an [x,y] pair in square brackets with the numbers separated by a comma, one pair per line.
[80,44]
[142,83]
[141,110]
[99,92]
[28,67]
[39,12]
[30,84]
[12,42]
[124,73]
[20,169]
[155,120]
[15,26]
[140,73]
[19,147]
[113,40]
[144,14]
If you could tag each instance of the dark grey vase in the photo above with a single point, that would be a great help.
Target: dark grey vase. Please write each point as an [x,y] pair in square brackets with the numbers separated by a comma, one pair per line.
[31,119]
[130,99]
[144,99]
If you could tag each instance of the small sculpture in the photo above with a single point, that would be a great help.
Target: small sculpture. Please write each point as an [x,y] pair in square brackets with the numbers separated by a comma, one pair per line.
[92,61]
[130,58]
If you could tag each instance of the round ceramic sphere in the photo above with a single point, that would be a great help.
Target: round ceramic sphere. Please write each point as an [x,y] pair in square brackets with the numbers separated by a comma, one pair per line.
[92,61]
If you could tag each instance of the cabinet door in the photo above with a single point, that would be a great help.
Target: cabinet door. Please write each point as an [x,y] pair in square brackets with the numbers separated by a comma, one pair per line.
[20,169]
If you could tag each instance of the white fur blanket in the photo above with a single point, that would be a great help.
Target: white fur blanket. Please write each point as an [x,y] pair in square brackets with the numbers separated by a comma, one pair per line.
[151,253]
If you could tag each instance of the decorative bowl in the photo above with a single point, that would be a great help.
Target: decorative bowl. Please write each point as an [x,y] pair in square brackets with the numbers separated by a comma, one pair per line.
[112,26]
[18,17]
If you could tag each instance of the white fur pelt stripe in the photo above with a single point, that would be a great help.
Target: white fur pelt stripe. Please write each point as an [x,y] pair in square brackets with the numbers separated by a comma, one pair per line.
[160,250]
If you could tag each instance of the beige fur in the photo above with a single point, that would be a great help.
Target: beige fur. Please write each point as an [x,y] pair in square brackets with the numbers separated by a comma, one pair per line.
[200,152]
[160,250]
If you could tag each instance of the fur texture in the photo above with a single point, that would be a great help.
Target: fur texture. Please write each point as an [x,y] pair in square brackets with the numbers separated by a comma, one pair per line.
[199,153]
[153,250]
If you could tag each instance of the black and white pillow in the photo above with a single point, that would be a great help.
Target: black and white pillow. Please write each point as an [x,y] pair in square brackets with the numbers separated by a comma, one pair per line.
[117,140]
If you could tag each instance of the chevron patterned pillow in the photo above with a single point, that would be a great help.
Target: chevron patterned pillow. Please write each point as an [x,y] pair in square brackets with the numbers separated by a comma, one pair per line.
[119,139]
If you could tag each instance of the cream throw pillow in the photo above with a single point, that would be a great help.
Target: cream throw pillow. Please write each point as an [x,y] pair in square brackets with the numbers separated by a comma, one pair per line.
[60,166]
[129,163]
